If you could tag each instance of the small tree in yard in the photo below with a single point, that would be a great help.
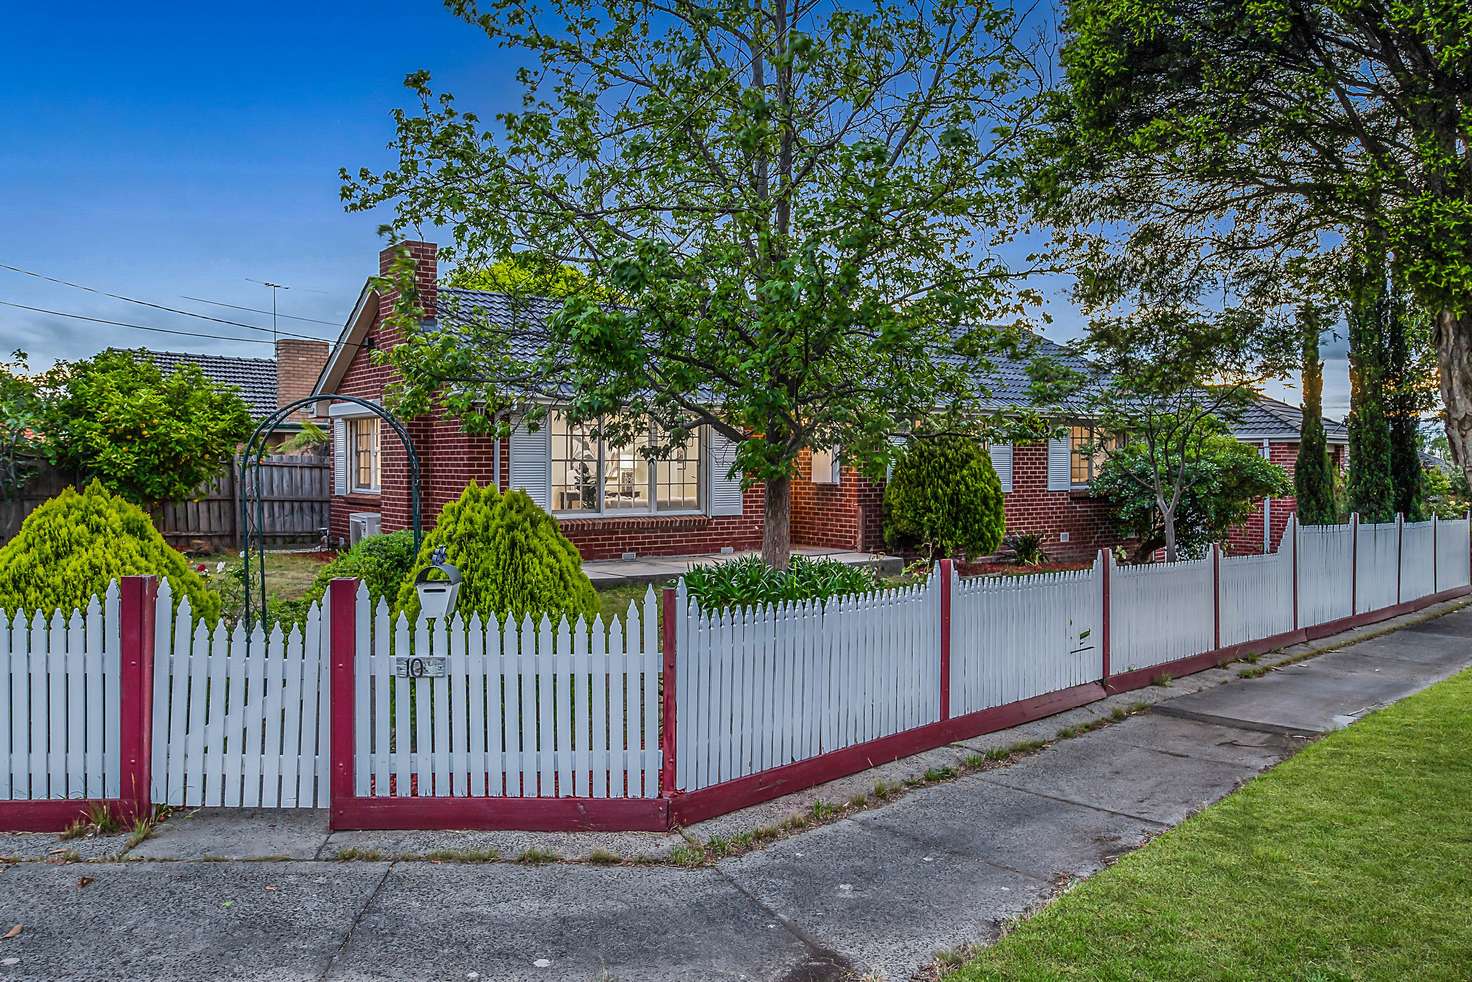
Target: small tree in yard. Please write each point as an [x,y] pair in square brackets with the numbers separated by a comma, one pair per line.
[1167,377]
[1224,479]
[944,499]
[148,436]
[1313,474]
[20,408]
[784,198]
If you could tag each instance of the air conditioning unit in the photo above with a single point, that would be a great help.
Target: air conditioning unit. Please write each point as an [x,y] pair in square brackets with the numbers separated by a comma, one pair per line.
[362,524]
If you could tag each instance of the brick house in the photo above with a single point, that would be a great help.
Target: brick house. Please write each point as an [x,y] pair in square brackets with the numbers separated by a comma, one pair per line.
[266,384]
[1273,427]
[611,501]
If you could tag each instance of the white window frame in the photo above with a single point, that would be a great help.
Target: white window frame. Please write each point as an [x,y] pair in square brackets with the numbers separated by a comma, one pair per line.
[1095,460]
[375,464]
[601,512]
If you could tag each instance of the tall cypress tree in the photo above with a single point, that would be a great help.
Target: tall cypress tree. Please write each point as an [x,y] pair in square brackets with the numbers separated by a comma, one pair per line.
[1313,475]
[1371,490]
[1409,385]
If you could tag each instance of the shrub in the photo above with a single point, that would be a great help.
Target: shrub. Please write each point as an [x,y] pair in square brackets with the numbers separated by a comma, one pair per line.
[749,581]
[70,547]
[944,499]
[383,562]
[513,559]
[1027,548]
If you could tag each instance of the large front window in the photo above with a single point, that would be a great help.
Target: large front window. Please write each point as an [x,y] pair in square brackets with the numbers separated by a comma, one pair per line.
[591,477]
[366,473]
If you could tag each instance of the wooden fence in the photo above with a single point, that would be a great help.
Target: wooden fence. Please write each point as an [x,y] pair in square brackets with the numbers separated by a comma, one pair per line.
[295,490]
[662,718]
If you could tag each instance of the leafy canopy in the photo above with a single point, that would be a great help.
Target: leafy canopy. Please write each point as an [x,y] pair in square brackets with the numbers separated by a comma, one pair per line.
[1313,472]
[784,197]
[1224,478]
[20,408]
[71,547]
[944,499]
[148,436]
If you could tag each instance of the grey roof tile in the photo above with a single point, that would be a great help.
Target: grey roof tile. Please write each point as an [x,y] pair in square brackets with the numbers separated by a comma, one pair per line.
[254,378]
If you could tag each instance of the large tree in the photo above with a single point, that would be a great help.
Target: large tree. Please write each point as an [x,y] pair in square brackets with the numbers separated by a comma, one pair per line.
[783,195]
[1168,379]
[1262,132]
[1313,473]
[1371,490]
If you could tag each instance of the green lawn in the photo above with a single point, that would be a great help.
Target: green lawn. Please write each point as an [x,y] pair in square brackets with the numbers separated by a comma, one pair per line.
[1352,860]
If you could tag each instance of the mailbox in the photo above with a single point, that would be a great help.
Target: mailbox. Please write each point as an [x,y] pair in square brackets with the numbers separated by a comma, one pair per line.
[437,596]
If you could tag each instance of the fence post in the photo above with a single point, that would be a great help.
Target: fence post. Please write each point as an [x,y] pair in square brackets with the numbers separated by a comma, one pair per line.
[137,610]
[1104,561]
[667,702]
[1354,563]
[1294,571]
[342,603]
[945,638]
[1216,596]
[1435,577]
[1400,547]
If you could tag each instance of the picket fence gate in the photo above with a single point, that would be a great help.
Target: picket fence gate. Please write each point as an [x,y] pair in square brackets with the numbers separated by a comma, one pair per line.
[663,717]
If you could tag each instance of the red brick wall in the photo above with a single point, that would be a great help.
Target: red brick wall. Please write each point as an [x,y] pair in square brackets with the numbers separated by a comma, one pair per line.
[848,515]
[669,535]
[298,364]
[1247,537]
[1031,507]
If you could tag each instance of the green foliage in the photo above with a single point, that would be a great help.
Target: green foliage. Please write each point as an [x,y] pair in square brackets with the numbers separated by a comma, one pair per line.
[1313,473]
[748,582]
[1371,488]
[1027,548]
[1223,479]
[310,437]
[149,437]
[20,407]
[528,274]
[69,548]
[383,562]
[944,499]
[786,203]
[513,559]
[1445,492]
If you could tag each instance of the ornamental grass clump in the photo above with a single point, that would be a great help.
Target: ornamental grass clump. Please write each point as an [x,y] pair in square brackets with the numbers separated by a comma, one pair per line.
[748,582]
[69,548]
[513,559]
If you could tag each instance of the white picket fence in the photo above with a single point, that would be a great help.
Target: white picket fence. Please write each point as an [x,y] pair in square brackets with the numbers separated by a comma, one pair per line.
[523,710]
[59,688]
[1377,566]
[761,688]
[1257,595]
[1015,637]
[1325,573]
[1453,559]
[1159,612]
[1417,560]
[239,719]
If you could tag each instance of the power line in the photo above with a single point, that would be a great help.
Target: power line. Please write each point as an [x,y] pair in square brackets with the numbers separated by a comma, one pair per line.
[159,306]
[257,310]
[136,327]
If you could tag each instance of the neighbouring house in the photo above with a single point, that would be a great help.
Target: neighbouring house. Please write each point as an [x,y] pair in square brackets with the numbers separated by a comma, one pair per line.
[1273,427]
[611,502]
[266,384]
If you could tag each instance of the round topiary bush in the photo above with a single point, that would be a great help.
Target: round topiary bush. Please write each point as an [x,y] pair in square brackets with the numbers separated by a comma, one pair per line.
[69,548]
[383,562]
[944,499]
[513,559]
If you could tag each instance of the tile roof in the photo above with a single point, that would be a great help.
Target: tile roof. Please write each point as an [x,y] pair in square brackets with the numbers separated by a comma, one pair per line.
[1007,379]
[254,378]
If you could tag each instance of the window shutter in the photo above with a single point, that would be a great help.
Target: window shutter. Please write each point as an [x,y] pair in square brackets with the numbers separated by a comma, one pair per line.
[531,464]
[1001,454]
[339,456]
[725,492]
[1060,464]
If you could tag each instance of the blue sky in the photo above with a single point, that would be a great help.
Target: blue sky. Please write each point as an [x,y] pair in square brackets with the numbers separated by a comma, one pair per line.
[165,151]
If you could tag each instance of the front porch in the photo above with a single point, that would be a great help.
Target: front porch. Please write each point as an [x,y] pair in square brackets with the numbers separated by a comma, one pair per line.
[655,569]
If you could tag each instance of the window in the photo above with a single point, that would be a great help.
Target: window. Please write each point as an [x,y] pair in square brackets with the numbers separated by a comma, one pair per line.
[1087,453]
[365,454]
[590,477]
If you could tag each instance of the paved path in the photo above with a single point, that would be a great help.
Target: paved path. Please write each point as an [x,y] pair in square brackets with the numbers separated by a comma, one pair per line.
[877,895]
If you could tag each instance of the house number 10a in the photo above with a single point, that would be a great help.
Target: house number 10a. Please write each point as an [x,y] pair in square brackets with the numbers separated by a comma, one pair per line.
[416,667]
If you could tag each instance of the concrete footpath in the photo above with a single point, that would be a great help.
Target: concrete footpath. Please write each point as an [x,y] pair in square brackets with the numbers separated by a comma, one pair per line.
[874,895]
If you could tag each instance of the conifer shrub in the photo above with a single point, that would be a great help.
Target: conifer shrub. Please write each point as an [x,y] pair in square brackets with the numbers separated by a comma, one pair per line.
[513,559]
[944,499]
[69,548]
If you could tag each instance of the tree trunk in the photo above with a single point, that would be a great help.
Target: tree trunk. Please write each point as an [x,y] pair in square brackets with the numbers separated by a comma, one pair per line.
[777,523]
[1454,364]
[1169,517]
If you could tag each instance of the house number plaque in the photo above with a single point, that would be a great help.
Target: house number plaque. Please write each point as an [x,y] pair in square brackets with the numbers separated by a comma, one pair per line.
[415,667]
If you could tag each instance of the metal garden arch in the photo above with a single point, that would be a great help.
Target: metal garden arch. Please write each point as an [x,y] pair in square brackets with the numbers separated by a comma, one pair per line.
[250,460]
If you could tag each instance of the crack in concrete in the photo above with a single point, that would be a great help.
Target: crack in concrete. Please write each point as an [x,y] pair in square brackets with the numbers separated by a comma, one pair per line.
[357,919]
[1084,804]
[825,962]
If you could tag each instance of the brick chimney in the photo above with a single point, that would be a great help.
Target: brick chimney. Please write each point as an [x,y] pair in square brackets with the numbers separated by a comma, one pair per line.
[298,364]
[426,275]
